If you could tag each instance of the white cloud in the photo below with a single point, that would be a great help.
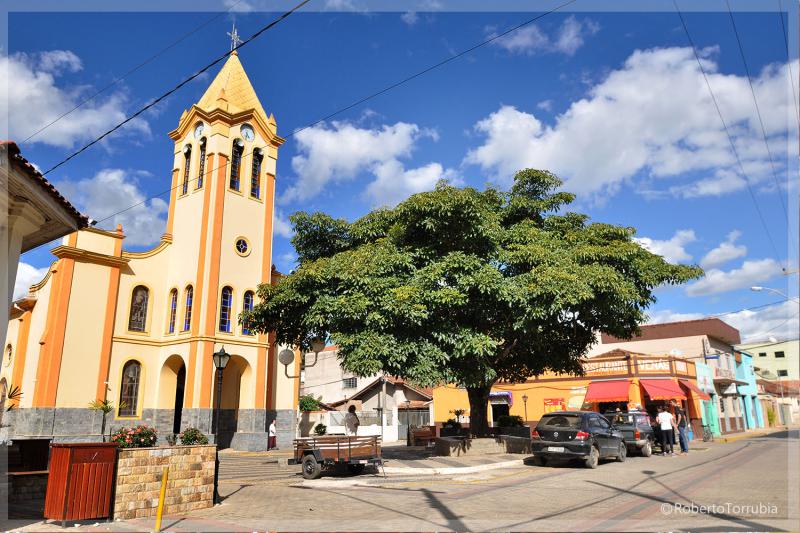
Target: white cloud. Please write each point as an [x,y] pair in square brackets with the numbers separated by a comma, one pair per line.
[665,315]
[238,6]
[35,100]
[652,118]
[287,262]
[112,190]
[532,40]
[27,275]
[281,225]
[672,250]
[725,252]
[343,150]
[750,273]
[410,17]
[545,105]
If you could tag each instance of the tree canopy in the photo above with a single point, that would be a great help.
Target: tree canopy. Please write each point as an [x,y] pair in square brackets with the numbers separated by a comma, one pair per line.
[465,287]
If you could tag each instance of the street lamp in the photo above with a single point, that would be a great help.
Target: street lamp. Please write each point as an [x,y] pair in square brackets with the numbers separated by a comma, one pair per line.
[525,404]
[757,288]
[221,359]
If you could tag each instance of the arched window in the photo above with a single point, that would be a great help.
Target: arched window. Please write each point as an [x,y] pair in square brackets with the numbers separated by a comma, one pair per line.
[225,307]
[202,164]
[187,313]
[138,316]
[236,163]
[255,176]
[129,389]
[247,306]
[187,155]
[173,309]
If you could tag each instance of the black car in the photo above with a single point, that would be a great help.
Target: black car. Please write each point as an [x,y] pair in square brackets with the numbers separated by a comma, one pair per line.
[583,435]
[636,430]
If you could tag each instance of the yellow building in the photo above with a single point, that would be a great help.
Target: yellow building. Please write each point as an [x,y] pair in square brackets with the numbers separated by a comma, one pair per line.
[140,328]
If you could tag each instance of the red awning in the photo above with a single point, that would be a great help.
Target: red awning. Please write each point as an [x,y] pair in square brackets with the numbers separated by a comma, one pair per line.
[608,391]
[694,389]
[662,389]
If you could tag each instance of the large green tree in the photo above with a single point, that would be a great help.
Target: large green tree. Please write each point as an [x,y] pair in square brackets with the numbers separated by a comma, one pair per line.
[464,286]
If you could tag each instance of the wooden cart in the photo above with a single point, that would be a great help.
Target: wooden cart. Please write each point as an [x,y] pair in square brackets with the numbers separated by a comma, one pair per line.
[329,452]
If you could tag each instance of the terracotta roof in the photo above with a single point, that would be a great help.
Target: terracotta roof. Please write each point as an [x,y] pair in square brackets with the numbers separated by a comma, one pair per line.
[711,327]
[37,177]
[425,392]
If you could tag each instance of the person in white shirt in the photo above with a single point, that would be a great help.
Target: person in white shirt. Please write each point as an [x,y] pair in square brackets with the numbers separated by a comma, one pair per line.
[351,422]
[273,437]
[666,422]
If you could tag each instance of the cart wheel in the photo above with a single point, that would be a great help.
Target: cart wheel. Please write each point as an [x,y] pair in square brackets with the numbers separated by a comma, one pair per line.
[355,469]
[311,468]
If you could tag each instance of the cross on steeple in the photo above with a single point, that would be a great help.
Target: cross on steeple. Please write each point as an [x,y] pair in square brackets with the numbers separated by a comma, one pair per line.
[234,35]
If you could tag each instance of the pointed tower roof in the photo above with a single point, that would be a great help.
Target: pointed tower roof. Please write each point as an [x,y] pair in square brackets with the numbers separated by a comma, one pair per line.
[231,91]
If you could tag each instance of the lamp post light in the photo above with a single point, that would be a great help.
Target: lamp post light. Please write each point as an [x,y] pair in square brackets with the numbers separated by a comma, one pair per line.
[757,288]
[525,405]
[221,359]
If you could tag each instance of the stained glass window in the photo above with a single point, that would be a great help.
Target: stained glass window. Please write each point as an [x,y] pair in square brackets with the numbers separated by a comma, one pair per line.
[187,314]
[129,389]
[173,309]
[225,307]
[138,317]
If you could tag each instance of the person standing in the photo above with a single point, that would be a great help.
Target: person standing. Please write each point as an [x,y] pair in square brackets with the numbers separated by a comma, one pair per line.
[351,421]
[680,416]
[666,423]
[273,436]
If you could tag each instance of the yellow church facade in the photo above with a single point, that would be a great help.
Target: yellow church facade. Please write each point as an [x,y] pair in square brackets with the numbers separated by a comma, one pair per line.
[140,328]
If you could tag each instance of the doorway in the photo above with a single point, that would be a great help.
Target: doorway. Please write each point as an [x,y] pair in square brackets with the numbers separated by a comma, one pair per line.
[498,410]
[180,386]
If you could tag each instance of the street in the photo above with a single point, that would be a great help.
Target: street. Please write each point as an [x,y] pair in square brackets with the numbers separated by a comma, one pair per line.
[740,485]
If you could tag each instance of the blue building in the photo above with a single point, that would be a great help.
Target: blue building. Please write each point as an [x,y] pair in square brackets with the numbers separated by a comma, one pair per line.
[708,408]
[748,392]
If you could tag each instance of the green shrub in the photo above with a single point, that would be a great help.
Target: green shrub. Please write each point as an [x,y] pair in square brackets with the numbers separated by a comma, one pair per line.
[771,416]
[452,423]
[510,421]
[309,403]
[191,436]
[136,437]
[320,429]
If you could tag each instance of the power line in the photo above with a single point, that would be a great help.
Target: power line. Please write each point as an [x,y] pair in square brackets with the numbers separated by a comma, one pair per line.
[727,132]
[179,86]
[761,122]
[789,60]
[357,102]
[131,71]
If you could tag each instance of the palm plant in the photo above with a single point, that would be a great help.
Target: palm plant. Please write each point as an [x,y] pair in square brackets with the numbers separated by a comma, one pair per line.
[105,407]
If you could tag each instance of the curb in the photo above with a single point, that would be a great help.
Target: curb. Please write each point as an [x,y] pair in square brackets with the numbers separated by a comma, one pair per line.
[735,438]
[450,470]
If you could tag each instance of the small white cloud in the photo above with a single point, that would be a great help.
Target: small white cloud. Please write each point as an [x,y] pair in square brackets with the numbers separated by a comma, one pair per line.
[532,40]
[665,315]
[113,190]
[393,183]
[35,101]
[725,252]
[287,262]
[238,6]
[545,105]
[750,273]
[410,17]
[282,226]
[27,275]
[672,250]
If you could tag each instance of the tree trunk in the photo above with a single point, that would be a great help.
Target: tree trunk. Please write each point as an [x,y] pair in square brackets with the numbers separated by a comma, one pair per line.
[478,406]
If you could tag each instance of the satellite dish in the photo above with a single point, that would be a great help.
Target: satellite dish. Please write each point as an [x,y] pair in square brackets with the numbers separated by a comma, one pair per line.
[286,357]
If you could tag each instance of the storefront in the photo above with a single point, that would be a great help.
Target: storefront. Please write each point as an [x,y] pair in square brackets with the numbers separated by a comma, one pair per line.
[617,380]
[708,407]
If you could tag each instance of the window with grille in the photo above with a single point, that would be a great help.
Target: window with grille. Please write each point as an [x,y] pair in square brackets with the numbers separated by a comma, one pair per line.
[762,354]
[129,389]
[225,307]
[137,320]
[173,309]
[255,177]
[187,153]
[780,354]
[187,313]
[236,163]
[202,163]
[783,373]
[247,306]
[350,383]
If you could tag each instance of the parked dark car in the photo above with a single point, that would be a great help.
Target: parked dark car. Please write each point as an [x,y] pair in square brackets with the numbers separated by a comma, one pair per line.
[583,435]
[636,430]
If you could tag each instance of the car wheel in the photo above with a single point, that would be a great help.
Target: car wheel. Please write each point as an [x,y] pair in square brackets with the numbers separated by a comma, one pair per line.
[539,460]
[622,454]
[647,449]
[311,468]
[594,458]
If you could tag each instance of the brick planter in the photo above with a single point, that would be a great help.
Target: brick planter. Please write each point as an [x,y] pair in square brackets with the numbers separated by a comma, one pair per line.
[190,485]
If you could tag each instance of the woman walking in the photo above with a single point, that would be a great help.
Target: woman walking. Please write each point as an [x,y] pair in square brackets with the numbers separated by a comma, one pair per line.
[666,422]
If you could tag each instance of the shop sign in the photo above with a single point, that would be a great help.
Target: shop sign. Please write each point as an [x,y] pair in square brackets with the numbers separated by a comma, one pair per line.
[722,373]
[554,404]
[681,367]
[659,366]
[705,383]
[606,368]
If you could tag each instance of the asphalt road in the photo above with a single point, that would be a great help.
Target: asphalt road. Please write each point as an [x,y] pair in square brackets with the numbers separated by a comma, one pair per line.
[744,485]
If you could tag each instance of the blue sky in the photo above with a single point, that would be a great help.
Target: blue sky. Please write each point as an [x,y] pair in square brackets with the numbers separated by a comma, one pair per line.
[614,103]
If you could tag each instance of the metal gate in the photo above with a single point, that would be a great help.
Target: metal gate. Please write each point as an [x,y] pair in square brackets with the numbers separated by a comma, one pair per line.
[413,417]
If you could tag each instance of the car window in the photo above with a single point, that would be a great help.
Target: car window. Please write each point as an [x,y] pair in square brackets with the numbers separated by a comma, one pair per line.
[643,421]
[560,421]
[620,418]
[594,423]
[602,422]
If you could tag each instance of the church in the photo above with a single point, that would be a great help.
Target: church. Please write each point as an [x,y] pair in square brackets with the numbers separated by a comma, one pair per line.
[139,329]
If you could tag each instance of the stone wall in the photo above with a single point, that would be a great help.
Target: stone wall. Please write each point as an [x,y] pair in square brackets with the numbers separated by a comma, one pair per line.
[457,446]
[190,485]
